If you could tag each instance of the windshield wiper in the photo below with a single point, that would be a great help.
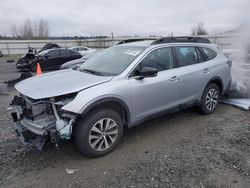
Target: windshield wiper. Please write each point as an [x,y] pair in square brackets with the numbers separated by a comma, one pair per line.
[92,72]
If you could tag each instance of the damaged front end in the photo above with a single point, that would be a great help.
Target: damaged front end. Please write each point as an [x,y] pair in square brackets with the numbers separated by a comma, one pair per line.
[39,121]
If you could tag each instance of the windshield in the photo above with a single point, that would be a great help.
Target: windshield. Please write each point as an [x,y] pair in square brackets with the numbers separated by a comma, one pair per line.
[112,61]
[91,54]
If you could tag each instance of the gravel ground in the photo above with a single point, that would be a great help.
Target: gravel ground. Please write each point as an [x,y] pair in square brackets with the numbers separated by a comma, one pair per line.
[184,149]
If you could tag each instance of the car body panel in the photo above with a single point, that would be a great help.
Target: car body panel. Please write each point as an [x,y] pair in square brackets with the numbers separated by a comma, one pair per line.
[54,83]
[116,88]
[154,94]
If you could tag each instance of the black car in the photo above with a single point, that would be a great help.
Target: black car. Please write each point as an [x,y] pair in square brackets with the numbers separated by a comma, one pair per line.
[23,64]
[50,59]
[1,54]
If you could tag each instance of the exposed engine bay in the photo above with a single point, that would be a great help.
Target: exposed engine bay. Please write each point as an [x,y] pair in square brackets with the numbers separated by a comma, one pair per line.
[39,121]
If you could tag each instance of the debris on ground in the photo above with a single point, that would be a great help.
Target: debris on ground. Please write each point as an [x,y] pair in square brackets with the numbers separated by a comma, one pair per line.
[71,171]
[241,103]
[238,90]
[10,61]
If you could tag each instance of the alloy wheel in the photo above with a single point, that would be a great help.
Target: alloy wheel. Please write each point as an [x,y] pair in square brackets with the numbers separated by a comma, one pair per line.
[103,134]
[212,99]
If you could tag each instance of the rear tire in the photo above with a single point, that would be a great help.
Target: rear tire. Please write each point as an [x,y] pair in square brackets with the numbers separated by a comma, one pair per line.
[210,99]
[99,132]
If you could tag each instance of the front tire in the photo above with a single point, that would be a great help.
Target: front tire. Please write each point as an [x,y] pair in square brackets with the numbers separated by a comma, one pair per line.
[210,99]
[99,132]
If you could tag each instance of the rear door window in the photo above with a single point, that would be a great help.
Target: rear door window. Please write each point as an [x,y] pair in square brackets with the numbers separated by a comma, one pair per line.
[64,53]
[186,55]
[209,53]
[53,53]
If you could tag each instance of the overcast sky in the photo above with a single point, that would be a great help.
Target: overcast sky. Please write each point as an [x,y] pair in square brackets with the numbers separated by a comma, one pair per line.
[125,17]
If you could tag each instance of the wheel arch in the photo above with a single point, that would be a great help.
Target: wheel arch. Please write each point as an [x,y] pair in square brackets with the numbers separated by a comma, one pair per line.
[218,81]
[114,103]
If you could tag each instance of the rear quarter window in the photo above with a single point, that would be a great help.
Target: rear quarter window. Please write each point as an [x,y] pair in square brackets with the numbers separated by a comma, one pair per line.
[210,54]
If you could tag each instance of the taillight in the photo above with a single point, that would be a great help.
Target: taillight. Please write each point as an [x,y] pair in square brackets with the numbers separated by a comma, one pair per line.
[229,62]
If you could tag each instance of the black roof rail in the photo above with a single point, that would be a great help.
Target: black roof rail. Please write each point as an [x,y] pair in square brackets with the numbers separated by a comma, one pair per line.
[134,40]
[181,39]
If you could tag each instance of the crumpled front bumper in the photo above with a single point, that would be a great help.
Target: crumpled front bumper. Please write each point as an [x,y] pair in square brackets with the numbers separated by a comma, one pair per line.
[23,66]
[30,134]
[38,122]
[28,138]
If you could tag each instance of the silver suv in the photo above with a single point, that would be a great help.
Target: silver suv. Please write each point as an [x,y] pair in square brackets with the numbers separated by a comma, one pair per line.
[119,88]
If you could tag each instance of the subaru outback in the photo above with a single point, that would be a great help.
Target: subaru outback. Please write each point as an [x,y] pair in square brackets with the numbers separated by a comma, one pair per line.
[119,88]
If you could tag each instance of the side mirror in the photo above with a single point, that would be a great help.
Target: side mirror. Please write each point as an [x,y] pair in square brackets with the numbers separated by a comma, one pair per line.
[147,72]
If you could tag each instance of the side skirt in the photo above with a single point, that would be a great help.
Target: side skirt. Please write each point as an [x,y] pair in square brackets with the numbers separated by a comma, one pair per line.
[164,112]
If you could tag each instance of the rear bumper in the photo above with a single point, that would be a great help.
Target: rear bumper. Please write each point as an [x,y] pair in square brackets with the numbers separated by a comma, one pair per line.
[227,89]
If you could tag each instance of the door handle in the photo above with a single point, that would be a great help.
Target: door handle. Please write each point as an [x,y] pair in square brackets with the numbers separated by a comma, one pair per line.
[206,70]
[174,78]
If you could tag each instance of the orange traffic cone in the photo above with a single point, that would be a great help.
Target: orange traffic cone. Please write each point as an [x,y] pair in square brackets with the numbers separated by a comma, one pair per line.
[38,69]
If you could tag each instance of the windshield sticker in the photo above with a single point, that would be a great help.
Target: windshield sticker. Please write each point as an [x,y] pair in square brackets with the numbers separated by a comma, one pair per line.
[132,52]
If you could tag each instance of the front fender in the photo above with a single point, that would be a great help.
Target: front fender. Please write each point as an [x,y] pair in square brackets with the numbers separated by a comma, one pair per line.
[117,91]
[78,106]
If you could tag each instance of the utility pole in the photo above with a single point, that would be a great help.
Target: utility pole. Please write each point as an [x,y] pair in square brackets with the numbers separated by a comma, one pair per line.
[112,37]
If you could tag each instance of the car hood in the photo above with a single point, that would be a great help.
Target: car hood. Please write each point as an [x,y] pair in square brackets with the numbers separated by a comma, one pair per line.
[58,83]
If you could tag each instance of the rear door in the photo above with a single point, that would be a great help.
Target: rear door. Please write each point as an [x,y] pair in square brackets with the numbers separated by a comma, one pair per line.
[194,75]
[155,94]
[74,55]
[50,60]
[65,56]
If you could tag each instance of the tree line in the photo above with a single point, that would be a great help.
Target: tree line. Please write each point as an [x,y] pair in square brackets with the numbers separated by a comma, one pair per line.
[199,30]
[38,29]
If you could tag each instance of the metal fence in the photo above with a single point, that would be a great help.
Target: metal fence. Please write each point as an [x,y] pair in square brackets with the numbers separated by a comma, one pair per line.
[9,47]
